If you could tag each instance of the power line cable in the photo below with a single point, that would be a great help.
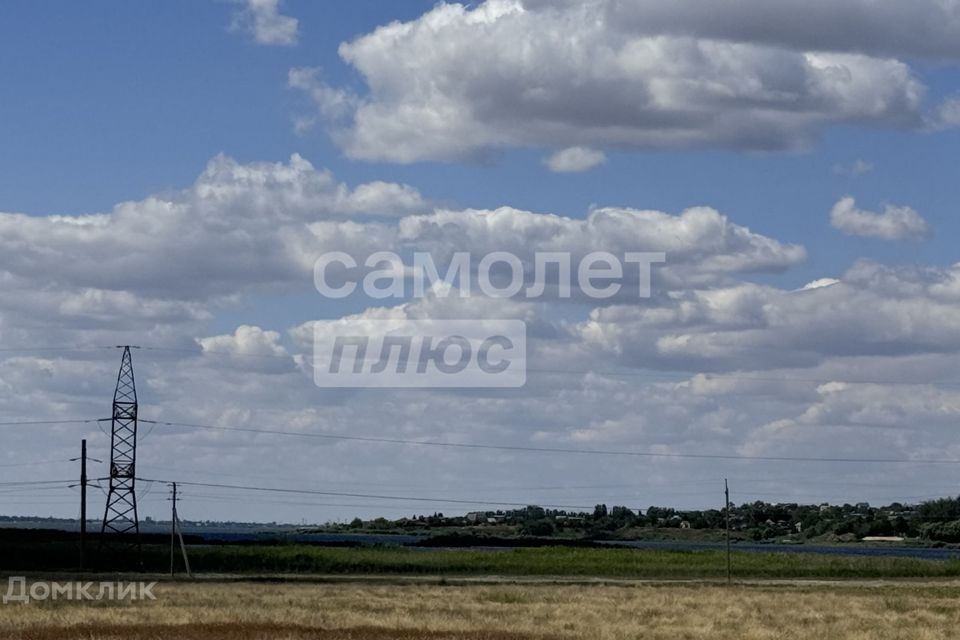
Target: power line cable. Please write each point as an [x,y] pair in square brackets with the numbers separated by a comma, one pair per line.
[34,463]
[532,449]
[28,423]
[203,497]
[661,375]
[64,349]
[366,495]
[21,483]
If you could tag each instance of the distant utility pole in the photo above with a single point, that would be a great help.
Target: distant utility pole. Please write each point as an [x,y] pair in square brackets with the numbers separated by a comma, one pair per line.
[83,500]
[173,523]
[175,532]
[83,503]
[726,509]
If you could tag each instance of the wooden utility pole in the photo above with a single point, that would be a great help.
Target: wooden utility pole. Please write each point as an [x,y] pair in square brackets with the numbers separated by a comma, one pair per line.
[83,504]
[176,533]
[183,549]
[173,523]
[726,495]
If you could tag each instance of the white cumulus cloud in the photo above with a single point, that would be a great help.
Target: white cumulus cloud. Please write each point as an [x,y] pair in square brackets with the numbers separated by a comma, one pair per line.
[262,20]
[650,75]
[575,159]
[894,223]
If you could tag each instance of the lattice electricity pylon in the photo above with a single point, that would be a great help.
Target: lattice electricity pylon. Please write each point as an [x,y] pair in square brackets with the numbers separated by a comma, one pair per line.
[120,516]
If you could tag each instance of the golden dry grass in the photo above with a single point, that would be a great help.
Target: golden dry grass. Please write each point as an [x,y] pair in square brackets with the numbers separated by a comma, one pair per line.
[285,611]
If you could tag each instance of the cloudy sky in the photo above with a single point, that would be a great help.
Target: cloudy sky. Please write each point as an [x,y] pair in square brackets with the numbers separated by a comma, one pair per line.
[171,172]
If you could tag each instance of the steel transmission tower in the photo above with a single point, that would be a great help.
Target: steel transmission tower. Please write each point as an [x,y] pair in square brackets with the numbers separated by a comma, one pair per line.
[120,516]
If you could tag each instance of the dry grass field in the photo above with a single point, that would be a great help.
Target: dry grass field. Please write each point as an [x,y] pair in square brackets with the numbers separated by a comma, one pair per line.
[354,611]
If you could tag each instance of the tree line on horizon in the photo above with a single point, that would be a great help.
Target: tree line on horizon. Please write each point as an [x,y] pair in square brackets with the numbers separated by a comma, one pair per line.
[934,520]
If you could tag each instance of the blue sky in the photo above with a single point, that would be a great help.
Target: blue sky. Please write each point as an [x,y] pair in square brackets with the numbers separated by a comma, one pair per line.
[133,103]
